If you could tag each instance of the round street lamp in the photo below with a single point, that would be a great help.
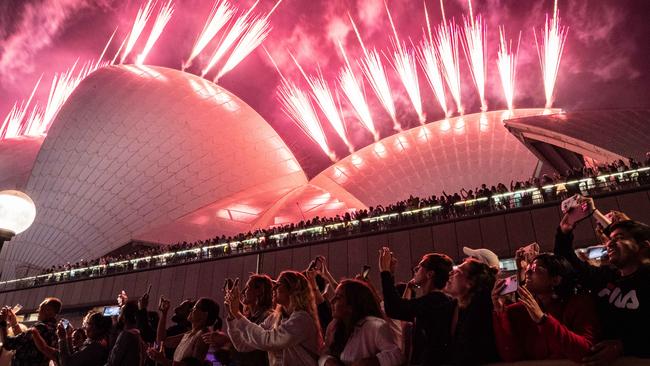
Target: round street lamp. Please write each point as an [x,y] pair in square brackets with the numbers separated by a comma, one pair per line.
[17,213]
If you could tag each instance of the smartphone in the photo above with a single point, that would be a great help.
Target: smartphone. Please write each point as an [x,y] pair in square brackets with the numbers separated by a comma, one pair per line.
[596,252]
[574,209]
[16,308]
[512,284]
[111,310]
[228,284]
[65,322]
[148,290]
[313,264]
[365,271]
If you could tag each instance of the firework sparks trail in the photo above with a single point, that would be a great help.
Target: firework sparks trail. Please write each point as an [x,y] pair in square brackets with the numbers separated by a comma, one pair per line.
[159,24]
[140,21]
[507,64]
[549,51]
[221,13]
[13,123]
[296,104]
[323,97]
[256,34]
[406,67]
[231,37]
[446,43]
[475,50]
[374,71]
[101,56]
[119,50]
[429,62]
[352,90]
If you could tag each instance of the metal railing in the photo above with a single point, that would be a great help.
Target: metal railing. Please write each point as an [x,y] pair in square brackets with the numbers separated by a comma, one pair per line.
[420,215]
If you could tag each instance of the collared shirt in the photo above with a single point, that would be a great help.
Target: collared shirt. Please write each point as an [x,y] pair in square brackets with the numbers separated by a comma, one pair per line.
[26,352]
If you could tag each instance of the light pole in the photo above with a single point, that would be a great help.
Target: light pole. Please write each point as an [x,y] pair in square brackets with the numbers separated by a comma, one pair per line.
[17,213]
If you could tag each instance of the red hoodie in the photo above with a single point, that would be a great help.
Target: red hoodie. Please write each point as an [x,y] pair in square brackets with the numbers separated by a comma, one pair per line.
[568,331]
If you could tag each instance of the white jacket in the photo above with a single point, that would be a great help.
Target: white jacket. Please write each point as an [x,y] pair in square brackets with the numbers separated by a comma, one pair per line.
[293,341]
[372,336]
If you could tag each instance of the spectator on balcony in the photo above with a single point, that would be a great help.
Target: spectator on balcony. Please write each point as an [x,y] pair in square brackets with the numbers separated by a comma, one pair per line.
[94,350]
[26,352]
[622,287]
[550,321]
[291,334]
[359,332]
[189,344]
[430,313]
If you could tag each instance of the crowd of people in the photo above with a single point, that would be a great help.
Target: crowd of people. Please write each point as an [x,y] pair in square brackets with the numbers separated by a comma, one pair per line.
[555,306]
[587,181]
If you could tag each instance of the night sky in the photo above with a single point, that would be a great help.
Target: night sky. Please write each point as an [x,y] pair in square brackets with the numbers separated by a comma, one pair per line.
[605,64]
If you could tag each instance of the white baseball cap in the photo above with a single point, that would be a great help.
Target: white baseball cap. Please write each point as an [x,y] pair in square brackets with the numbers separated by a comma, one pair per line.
[483,255]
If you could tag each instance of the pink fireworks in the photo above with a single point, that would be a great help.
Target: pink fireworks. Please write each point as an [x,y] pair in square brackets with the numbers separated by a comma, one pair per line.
[221,13]
[507,65]
[352,90]
[159,24]
[296,104]
[475,50]
[429,61]
[549,51]
[139,23]
[406,67]
[376,75]
[446,43]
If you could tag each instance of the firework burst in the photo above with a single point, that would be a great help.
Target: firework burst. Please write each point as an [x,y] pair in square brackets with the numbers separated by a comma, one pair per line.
[376,75]
[475,50]
[549,51]
[507,65]
[352,90]
[141,19]
[406,67]
[159,24]
[429,61]
[221,13]
[446,43]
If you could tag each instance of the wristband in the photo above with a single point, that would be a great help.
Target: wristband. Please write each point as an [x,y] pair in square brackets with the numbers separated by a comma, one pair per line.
[542,320]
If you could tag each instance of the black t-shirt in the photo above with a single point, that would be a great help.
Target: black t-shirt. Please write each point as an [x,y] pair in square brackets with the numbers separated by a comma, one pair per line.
[623,301]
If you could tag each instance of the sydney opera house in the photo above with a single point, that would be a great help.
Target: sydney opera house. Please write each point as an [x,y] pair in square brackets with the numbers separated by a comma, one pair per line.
[158,155]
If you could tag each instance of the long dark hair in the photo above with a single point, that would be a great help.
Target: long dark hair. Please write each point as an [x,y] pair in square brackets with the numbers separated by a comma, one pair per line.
[265,284]
[363,302]
[482,278]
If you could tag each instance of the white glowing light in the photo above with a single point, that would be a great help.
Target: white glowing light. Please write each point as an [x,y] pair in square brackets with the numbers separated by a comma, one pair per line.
[12,125]
[17,211]
[376,75]
[447,46]
[255,34]
[139,23]
[406,67]
[221,13]
[159,24]
[355,95]
[231,37]
[475,49]
[323,97]
[549,51]
[430,64]
[507,65]
[295,103]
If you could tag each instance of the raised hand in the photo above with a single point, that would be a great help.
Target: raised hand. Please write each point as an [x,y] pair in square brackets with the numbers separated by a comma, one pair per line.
[532,306]
[164,305]
[498,300]
[385,259]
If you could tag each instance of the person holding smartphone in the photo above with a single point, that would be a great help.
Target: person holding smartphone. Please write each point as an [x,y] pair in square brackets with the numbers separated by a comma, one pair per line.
[549,321]
[94,350]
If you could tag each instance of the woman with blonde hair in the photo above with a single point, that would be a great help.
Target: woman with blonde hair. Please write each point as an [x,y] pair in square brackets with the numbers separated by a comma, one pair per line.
[291,334]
